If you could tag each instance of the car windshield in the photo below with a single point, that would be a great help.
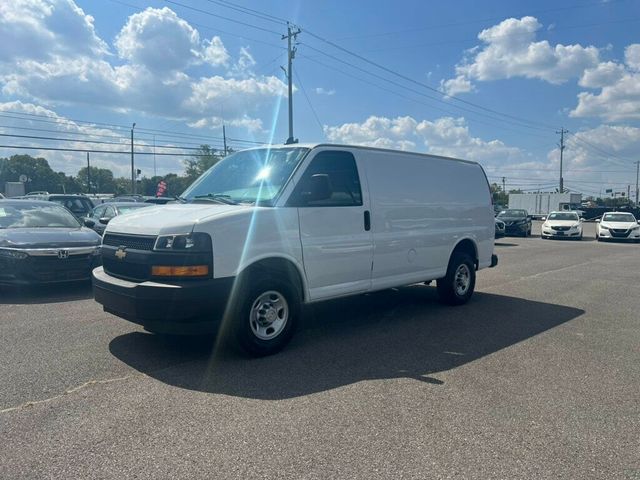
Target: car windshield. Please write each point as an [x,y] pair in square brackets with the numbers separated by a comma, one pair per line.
[512,213]
[618,217]
[36,216]
[564,216]
[250,176]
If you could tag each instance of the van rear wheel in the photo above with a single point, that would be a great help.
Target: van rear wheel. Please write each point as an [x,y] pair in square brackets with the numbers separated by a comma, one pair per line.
[457,286]
[266,315]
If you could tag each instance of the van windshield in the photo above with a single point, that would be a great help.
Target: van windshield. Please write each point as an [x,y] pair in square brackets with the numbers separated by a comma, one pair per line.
[251,176]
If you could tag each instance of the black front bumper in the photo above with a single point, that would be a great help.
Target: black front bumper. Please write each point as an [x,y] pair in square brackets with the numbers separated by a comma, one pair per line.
[47,270]
[517,229]
[179,307]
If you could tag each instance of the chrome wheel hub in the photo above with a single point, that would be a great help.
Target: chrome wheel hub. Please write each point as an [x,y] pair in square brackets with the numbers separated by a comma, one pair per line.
[269,315]
[462,280]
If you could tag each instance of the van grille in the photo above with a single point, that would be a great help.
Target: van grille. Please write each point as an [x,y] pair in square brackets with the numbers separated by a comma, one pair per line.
[135,242]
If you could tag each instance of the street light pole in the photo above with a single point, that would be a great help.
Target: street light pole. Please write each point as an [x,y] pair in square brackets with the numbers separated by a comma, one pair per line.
[133,171]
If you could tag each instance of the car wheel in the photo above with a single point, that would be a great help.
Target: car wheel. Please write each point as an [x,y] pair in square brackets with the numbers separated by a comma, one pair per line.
[266,315]
[457,286]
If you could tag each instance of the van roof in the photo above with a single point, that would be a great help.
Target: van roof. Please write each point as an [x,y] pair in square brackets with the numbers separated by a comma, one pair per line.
[362,147]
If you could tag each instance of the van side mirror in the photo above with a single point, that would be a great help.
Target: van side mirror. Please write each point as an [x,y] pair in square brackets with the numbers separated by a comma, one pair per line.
[319,188]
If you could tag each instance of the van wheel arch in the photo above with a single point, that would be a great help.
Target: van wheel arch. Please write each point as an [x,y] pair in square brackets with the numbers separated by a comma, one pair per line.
[275,267]
[468,247]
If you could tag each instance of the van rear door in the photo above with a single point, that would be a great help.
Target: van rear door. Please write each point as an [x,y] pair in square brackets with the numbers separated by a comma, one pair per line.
[335,225]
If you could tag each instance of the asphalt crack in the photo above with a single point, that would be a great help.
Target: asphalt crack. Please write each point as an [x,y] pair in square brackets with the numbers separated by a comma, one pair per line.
[70,391]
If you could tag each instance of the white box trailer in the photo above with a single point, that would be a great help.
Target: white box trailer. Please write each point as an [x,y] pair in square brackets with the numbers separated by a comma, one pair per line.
[541,204]
[13,189]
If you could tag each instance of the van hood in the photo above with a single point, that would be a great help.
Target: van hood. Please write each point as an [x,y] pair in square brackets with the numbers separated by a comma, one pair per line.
[171,218]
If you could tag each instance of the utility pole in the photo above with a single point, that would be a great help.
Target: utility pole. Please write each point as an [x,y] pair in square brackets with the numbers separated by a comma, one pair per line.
[88,175]
[224,139]
[291,53]
[629,193]
[637,176]
[133,171]
[504,188]
[562,147]
[155,171]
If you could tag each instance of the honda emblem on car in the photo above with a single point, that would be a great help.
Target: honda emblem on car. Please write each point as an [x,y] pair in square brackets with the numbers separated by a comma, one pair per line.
[62,254]
[121,253]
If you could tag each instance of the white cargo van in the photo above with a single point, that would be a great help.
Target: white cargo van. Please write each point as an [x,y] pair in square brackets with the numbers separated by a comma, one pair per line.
[268,229]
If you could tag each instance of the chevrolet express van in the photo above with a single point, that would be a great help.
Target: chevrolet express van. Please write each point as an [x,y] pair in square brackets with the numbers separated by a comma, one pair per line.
[268,229]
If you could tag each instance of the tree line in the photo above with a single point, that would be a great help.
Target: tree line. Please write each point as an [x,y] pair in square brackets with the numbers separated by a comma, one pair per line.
[41,177]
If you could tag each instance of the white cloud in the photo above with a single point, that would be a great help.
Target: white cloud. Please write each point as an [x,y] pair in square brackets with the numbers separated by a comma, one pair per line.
[619,96]
[215,123]
[510,50]
[159,40]
[445,136]
[39,29]
[325,91]
[156,49]
[214,52]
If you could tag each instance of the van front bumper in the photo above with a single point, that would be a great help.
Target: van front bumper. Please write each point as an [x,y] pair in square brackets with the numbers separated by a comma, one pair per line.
[187,307]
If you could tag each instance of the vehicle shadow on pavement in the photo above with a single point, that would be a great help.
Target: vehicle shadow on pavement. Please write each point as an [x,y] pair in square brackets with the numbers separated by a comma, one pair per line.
[400,333]
[59,293]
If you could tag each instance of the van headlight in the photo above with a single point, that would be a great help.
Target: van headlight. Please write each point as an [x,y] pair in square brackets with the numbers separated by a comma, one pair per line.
[190,242]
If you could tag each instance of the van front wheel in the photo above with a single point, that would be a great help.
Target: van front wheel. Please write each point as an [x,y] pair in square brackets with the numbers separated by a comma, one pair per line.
[457,286]
[266,316]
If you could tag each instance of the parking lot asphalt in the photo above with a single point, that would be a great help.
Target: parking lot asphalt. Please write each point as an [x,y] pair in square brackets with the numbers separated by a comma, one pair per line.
[537,377]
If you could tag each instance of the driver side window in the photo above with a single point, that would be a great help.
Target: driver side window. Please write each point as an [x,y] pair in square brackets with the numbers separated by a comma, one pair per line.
[343,182]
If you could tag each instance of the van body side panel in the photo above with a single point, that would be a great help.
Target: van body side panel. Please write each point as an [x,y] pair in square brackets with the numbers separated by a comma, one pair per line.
[421,208]
[336,248]
[242,239]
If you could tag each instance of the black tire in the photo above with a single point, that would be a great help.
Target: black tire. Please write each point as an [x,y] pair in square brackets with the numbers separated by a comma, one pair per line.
[447,286]
[246,314]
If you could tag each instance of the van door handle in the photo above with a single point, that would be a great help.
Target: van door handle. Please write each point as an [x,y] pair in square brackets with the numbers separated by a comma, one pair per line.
[367,220]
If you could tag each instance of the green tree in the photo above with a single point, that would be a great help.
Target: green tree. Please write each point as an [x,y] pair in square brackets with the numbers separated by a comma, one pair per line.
[39,174]
[102,180]
[202,160]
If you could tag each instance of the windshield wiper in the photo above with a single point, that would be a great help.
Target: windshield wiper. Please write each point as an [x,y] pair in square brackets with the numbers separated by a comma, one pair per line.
[217,197]
[180,199]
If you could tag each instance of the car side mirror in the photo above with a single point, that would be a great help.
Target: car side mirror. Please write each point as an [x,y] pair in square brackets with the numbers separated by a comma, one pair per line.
[581,219]
[597,220]
[319,189]
[544,219]
[89,223]
[104,220]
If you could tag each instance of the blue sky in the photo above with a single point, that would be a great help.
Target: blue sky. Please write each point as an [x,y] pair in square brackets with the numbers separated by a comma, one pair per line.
[489,81]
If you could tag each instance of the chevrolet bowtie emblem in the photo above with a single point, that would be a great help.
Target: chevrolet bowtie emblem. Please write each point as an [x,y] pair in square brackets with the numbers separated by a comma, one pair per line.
[121,253]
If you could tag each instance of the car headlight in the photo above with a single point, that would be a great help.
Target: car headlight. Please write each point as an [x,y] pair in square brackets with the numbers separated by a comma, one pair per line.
[15,254]
[635,228]
[191,242]
[577,225]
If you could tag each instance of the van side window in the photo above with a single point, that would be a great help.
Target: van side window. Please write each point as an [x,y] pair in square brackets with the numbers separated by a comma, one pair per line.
[343,182]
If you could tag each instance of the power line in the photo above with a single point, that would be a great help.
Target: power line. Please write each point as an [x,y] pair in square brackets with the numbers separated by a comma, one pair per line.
[422,94]
[421,84]
[480,20]
[84,150]
[313,110]
[205,12]
[250,11]
[206,27]
[413,100]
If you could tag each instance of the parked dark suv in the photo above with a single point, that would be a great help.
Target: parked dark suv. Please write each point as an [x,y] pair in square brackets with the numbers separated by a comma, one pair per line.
[516,222]
[78,205]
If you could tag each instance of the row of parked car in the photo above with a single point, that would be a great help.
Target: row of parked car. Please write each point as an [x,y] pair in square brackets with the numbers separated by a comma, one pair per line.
[611,226]
[48,238]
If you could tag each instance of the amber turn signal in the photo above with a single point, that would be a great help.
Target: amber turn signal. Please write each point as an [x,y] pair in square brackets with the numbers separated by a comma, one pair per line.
[175,271]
